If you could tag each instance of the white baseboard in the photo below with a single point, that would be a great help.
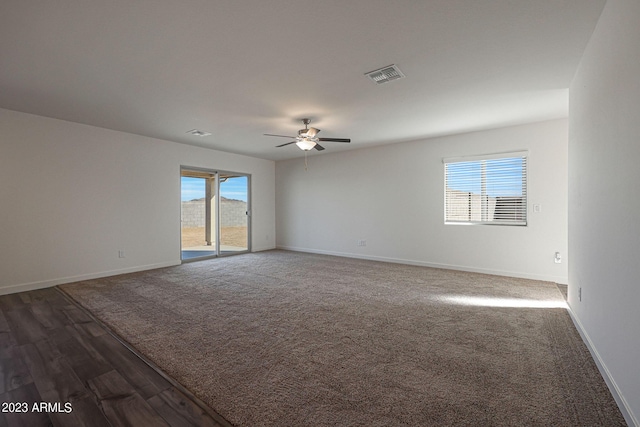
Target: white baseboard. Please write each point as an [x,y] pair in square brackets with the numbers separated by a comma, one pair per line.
[24,287]
[262,248]
[545,278]
[604,371]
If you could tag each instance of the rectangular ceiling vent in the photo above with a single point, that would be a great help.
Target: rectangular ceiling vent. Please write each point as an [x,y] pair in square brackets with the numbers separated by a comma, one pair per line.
[385,74]
[197,132]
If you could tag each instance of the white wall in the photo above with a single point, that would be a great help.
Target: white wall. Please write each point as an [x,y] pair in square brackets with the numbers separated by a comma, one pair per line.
[604,197]
[393,197]
[72,196]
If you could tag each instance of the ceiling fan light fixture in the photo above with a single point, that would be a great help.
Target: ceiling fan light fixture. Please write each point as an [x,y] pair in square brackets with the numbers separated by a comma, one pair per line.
[305,144]
[307,138]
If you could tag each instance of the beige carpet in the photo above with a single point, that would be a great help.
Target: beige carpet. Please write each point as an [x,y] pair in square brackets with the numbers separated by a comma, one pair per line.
[289,339]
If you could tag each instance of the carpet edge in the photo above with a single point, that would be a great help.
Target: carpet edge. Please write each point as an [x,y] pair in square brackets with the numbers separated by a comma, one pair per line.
[217,417]
[604,371]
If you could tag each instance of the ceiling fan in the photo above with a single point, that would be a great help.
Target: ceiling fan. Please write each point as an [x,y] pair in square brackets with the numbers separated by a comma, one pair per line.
[306,139]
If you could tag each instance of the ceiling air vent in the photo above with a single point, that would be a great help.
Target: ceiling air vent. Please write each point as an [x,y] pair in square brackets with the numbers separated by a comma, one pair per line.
[197,132]
[385,74]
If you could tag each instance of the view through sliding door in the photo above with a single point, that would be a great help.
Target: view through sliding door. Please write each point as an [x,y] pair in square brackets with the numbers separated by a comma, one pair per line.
[214,213]
[234,213]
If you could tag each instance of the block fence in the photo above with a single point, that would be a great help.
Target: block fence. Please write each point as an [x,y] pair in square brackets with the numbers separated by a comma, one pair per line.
[233,213]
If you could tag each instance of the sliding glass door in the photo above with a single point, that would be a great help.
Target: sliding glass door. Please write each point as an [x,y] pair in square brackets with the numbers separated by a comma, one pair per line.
[215,213]
[234,213]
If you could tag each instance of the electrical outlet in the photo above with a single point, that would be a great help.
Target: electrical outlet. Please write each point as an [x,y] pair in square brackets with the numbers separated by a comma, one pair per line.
[362,242]
[120,254]
[558,258]
[580,294]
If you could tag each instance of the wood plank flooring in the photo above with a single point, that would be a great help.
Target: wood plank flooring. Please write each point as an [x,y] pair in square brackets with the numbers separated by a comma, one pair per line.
[55,356]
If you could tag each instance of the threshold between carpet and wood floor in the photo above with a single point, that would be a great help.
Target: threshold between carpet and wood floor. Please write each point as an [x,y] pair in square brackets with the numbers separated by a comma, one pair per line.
[59,367]
[282,338]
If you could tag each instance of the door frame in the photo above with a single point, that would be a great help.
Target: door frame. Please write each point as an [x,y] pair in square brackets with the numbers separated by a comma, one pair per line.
[215,173]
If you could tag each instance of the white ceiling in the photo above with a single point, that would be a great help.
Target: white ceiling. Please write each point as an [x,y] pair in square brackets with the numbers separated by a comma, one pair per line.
[239,69]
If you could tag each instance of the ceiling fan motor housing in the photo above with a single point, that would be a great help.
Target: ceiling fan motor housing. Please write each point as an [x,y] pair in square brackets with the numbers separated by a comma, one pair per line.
[308,133]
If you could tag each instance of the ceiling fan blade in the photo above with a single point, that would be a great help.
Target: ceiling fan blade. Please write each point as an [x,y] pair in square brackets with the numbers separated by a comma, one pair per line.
[318,147]
[288,143]
[281,136]
[335,139]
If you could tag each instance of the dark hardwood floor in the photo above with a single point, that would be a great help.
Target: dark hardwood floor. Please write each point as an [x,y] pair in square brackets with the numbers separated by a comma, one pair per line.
[60,367]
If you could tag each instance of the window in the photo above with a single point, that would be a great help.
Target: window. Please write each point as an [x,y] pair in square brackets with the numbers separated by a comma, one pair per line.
[488,189]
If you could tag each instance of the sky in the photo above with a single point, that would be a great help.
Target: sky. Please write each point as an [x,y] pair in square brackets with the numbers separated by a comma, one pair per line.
[503,177]
[234,188]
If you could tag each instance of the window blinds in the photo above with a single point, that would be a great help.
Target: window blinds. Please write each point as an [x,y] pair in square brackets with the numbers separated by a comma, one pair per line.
[487,189]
